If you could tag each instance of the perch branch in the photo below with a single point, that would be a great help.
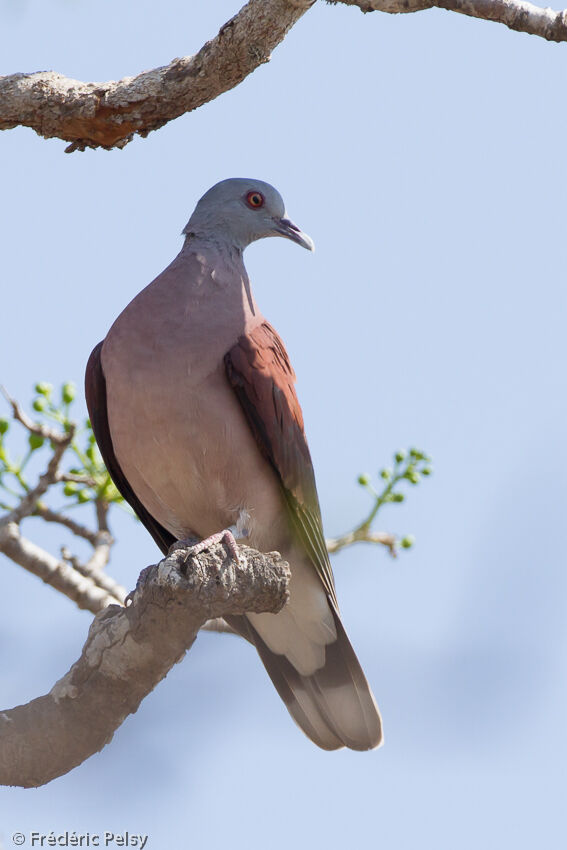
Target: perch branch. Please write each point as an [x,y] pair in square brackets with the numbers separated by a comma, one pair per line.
[127,652]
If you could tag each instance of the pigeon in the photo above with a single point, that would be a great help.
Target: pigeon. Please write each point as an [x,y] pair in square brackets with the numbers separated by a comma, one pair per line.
[192,402]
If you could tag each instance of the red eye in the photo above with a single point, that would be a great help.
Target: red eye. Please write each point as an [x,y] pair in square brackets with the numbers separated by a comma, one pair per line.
[255,200]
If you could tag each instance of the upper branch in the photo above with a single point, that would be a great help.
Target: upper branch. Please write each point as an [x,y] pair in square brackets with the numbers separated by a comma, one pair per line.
[108,114]
[127,652]
[515,14]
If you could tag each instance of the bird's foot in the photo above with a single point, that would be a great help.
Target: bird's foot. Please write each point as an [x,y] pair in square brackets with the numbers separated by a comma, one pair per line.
[226,536]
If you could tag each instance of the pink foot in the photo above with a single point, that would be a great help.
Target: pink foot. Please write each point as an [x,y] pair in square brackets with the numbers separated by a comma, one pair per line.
[225,537]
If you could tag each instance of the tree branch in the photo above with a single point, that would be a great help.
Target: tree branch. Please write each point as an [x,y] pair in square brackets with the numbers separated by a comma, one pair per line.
[81,589]
[127,652]
[108,114]
[54,435]
[515,14]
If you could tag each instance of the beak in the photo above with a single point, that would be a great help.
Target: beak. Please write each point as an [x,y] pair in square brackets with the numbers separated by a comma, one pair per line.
[285,227]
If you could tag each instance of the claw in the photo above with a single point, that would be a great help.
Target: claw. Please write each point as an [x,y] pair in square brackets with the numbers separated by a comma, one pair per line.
[226,537]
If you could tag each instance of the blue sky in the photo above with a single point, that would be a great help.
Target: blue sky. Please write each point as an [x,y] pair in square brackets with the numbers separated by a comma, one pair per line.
[425,155]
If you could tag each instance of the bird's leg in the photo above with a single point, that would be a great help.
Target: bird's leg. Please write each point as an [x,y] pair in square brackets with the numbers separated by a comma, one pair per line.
[226,536]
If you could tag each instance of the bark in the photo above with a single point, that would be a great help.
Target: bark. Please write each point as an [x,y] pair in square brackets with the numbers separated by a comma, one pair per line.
[515,14]
[107,114]
[127,652]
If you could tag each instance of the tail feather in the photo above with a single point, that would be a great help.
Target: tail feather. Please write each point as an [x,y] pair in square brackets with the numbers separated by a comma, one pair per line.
[334,706]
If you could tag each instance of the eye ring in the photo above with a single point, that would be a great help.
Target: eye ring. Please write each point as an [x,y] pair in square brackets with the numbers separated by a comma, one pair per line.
[255,200]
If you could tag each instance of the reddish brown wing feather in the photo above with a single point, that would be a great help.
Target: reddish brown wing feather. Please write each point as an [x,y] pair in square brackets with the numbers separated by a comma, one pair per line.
[261,375]
[95,391]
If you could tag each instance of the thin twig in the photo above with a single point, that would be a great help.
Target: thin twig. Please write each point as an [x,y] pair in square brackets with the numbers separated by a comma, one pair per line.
[362,534]
[92,571]
[28,504]
[76,479]
[55,436]
[76,528]
[62,577]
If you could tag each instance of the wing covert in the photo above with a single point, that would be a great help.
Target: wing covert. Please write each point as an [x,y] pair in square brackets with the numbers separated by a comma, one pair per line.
[262,377]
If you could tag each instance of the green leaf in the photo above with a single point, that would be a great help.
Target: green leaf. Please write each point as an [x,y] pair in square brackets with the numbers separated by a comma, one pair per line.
[36,441]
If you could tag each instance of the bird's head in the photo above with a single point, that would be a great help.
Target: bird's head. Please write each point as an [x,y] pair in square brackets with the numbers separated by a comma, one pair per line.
[238,211]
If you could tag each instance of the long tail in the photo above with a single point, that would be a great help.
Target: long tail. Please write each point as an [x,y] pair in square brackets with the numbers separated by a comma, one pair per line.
[334,706]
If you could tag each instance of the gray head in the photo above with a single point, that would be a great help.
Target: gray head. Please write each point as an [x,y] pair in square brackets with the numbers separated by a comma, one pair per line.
[239,211]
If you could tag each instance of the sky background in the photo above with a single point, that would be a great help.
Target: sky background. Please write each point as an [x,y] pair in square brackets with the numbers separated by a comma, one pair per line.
[425,155]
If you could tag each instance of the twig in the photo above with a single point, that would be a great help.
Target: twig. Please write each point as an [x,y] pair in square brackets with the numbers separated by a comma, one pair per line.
[29,502]
[362,534]
[49,515]
[55,436]
[95,574]
[61,576]
[76,479]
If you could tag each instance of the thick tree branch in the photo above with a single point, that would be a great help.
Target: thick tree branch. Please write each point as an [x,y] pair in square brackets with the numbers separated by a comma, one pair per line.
[515,14]
[127,652]
[108,114]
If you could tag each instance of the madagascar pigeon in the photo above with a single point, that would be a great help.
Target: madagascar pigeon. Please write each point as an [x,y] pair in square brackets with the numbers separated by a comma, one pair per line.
[192,402]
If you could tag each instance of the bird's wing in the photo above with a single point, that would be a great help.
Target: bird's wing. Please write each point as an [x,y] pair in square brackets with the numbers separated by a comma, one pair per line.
[261,375]
[95,391]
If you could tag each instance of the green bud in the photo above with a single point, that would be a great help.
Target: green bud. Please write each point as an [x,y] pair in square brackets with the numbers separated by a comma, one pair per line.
[399,456]
[39,404]
[75,470]
[90,453]
[363,480]
[413,476]
[427,471]
[386,473]
[407,541]
[398,497]
[84,496]
[68,392]
[36,441]
[417,455]
[88,424]
[4,425]
[43,388]
[70,488]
